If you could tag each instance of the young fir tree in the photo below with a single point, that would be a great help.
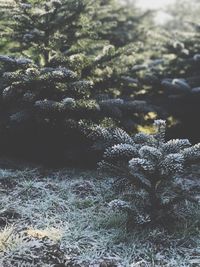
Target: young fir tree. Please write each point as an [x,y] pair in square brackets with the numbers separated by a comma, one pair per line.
[50,109]
[98,39]
[174,82]
[90,40]
[150,173]
[41,109]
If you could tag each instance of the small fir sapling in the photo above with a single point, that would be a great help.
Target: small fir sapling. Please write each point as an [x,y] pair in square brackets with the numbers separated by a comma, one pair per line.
[150,172]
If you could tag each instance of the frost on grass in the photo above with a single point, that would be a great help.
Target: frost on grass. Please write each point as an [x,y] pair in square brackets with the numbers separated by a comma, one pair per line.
[65,218]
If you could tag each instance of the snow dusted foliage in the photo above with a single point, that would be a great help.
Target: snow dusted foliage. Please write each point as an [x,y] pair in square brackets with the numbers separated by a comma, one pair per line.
[108,137]
[153,169]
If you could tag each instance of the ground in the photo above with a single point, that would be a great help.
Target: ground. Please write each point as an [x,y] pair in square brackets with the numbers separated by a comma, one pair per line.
[62,218]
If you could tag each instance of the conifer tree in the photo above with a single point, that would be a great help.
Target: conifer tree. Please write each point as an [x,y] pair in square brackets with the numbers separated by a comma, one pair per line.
[65,71]
[51,107]
[149,170]
[39,107]
[174,82]
[98,39]
[181,81]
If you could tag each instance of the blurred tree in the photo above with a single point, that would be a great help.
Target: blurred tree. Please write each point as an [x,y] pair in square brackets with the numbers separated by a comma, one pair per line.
[175,82]
[44,28]
[181,13]
[99,40]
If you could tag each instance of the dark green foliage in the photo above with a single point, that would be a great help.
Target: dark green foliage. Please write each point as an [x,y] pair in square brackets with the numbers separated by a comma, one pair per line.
[51,108]
[150,172]
[40,106]
[78,64]
[182,87]
[38,28]
[97,39]
[69,26]
[68,72]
